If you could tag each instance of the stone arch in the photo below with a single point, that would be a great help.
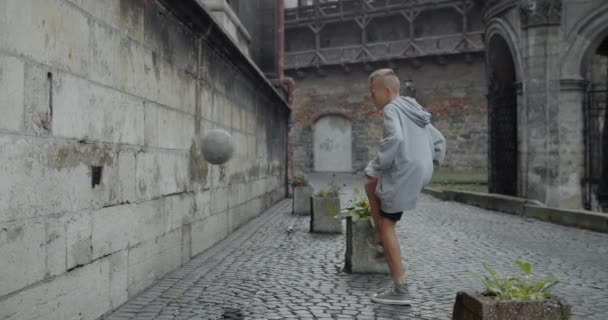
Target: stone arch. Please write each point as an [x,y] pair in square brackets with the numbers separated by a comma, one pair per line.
[502,116]
[315,117]
[497,26]
[332,143]
[583,41]
[582,45]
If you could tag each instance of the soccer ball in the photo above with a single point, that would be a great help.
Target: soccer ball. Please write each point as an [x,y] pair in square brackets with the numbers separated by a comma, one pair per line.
[217,146]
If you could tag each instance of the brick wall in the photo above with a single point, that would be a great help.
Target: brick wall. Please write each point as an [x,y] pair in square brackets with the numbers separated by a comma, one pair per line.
[453,92]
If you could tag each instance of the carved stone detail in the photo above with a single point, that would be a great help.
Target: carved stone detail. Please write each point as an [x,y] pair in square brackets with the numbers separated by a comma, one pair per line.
[536,13]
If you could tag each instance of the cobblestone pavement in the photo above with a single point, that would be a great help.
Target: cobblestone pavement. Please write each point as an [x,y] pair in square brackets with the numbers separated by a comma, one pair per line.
[265,271]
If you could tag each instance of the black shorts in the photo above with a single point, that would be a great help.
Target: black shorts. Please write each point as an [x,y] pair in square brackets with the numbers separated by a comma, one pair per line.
[392,216]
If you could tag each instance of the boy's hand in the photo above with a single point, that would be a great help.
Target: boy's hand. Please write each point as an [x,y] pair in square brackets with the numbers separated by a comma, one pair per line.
[369,171]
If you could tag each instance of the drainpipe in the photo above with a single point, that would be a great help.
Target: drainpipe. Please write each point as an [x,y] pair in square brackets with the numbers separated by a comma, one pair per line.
[280,38]
[287,82]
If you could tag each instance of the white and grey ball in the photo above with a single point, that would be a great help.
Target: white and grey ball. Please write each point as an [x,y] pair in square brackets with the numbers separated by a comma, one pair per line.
[217,146]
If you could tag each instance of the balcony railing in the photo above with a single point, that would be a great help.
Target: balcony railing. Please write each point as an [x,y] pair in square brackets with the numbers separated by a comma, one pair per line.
[342,9]
[382,51]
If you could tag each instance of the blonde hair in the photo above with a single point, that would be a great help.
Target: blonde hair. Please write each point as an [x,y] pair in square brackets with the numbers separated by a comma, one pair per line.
[386,78]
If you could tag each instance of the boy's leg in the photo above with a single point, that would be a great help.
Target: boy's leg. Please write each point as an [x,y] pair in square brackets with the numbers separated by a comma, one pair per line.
[374,205]
[392,251]
[398,293]
[385,233]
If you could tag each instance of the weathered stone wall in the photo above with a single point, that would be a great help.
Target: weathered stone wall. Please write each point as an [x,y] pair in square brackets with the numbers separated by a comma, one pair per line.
[552,43]
[122,91]
[453,92]
[263,32]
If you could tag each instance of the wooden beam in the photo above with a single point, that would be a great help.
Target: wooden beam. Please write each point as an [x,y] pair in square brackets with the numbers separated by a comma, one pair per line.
[410,16]
[345,12]
[363,22]
[316,29]
[386,50]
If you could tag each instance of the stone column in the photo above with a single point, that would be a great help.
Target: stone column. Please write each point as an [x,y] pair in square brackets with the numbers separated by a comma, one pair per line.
[569,191]
[541,39]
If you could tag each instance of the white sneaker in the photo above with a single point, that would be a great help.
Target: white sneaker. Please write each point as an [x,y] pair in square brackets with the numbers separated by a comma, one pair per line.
[397,295]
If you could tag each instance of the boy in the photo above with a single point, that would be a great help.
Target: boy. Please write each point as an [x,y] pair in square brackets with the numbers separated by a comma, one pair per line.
[403,165]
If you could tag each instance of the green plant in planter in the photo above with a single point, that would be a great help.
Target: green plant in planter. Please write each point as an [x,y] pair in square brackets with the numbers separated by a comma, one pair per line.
[358,208]
[299,181]
[521,287]
[332,192]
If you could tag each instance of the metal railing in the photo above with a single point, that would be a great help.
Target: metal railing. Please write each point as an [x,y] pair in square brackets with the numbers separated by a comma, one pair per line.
[596,150]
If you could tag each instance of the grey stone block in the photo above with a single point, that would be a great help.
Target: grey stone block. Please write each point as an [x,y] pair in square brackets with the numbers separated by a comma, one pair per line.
[434,192]
[363,254]
[574,218]
[301,200]
[469,306]
[526,208]
[488,201]
[323,215]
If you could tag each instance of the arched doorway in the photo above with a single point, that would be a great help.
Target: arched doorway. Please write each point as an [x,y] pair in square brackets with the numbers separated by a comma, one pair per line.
[332,144]
[596,130]
[502,113]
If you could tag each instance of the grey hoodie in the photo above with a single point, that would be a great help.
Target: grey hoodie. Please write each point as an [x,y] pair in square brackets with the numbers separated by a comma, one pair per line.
[404,162]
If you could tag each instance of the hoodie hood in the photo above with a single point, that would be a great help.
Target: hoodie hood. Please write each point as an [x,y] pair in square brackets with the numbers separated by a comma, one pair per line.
[413,110]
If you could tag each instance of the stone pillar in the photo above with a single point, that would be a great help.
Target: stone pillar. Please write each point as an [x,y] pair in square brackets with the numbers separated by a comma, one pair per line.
[569,191]
[541,39]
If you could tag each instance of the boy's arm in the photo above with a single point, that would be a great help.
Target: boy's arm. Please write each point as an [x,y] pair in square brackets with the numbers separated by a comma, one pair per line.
[391,139]
[437,141]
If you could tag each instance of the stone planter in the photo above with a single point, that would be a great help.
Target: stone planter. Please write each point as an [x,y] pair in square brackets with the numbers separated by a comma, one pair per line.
[470,306]
[363,254]
[301,200]
[324,211]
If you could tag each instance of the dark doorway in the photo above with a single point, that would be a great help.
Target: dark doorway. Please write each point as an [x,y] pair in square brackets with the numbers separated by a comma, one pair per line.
[596,131]
[502,113]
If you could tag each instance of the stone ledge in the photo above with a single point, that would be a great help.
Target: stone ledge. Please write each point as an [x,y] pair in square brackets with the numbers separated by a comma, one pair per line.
[574,218]
[525,208]
[494,202]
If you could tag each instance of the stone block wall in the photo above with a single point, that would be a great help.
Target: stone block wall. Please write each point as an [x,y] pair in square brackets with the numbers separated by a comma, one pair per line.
[552,44]
[454,92]
[103,188]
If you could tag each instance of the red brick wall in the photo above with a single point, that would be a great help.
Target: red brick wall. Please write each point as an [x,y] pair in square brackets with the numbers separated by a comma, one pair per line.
[454,93]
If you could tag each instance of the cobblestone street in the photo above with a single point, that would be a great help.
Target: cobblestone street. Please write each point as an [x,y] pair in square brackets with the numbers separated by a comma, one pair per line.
[264,271]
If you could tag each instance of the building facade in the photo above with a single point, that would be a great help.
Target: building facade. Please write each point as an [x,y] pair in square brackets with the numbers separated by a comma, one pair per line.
[437,49]
[547,75]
